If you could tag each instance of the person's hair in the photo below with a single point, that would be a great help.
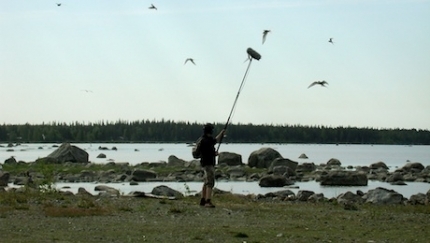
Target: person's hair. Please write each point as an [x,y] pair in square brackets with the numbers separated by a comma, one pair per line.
[208,128]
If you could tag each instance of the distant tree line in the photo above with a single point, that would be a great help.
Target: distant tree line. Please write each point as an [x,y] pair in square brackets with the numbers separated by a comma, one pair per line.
[170,131]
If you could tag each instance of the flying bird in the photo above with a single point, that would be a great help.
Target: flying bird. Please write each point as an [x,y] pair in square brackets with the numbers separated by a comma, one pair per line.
[265,32]
[87,90]
[322,83]
[153,7]
[189,59]
[331,40]
[58,4]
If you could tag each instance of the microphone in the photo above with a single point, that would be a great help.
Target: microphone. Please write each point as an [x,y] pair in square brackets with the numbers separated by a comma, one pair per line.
[253,54]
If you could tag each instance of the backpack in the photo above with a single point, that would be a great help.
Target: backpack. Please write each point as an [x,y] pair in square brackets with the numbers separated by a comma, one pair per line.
[196,150]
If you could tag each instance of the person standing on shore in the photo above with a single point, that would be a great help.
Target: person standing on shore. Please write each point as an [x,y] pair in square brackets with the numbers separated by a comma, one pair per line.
[207,161]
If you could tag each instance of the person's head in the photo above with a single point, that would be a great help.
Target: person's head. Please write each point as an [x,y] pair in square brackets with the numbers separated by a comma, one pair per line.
[208,128]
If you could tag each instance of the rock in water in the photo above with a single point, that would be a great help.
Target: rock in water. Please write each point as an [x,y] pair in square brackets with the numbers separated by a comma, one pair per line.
[67,153]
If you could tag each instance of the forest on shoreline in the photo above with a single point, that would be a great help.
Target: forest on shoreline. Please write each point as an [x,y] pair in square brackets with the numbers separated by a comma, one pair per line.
[171,131]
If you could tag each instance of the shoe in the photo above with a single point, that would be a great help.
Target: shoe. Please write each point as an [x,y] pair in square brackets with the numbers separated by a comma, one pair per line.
[209,205]
[202,202]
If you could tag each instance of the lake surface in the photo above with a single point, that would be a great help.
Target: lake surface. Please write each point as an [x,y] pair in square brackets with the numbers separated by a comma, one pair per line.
[135,153]
[355,155]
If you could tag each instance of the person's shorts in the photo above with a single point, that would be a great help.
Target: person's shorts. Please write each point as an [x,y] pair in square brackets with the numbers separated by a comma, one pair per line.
[209,178]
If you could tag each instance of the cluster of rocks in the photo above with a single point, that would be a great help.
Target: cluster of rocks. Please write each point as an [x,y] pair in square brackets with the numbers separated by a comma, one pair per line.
[350,200]
[273,170]
[266,166]
[161,191]
[11,147]
[106,148]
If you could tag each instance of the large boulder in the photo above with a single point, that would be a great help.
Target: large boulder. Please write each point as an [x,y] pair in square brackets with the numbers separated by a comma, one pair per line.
[101,156]
[281,194]
[236,172]
[282,170]
[229,158]
[303,195]
[396,176]
[4,179]
[283,162]
[317,197]
[107,190]
[83,192]
[87,175]
[10,161]
[349,197]
[426,170]
[175,161]
[263,157]
[334,162]
[274,181]
[20,180]
[418,199]
[383,196]
[365,169]
[143,175]
[166,191]
[413,167]
[427,201]
[66,153]
[378,165]
[343,178]
[306,167]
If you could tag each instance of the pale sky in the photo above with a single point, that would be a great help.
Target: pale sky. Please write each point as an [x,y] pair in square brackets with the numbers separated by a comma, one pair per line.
[94,60]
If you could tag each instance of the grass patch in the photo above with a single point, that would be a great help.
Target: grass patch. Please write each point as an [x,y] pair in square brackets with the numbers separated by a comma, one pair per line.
[175,209]
[4,209]
[86,203]
[79,207]
[235,219]
[125,209]
[240,235]
[253,170]
[53,211]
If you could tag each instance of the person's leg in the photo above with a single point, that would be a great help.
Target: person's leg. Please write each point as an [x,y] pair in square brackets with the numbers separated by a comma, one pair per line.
[208,193]
[210,176]
[205,181]
[203,196]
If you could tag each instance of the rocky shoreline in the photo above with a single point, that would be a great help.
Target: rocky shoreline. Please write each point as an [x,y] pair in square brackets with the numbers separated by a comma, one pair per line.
[265,166]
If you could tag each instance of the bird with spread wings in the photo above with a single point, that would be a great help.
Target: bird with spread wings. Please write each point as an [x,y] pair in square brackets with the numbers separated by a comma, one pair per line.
[322,83]
[189,59]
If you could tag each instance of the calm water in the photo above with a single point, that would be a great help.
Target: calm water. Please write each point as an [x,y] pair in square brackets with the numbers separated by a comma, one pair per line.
[393,155]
